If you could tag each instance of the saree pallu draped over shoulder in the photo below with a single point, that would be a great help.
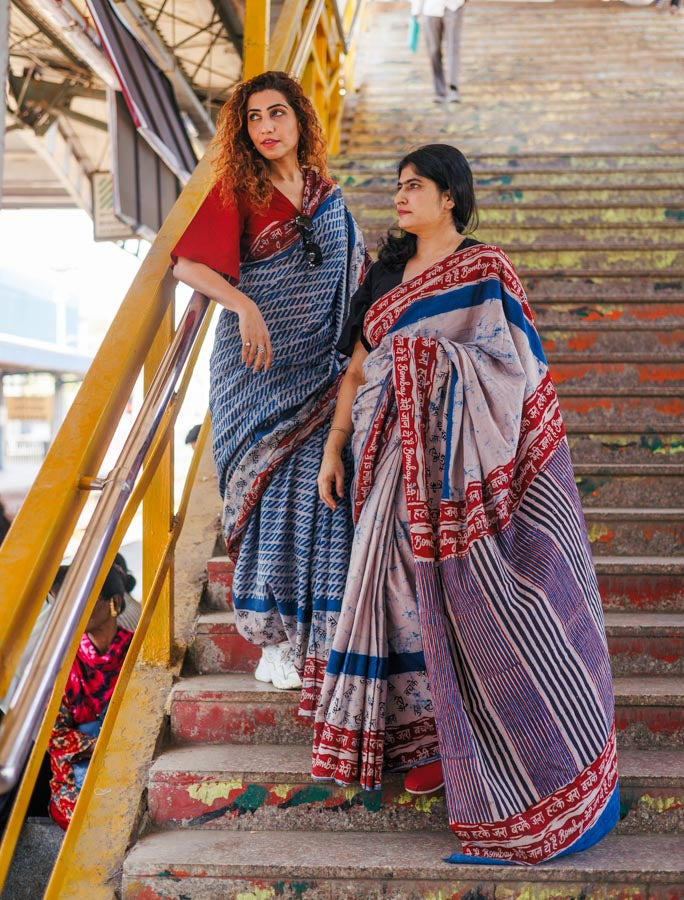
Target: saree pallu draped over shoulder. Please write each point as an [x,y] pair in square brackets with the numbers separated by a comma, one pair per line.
[461,441]
[269,429]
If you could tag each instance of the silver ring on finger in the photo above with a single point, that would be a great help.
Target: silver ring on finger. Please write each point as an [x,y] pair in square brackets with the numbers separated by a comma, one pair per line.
[246,343]
[261,349]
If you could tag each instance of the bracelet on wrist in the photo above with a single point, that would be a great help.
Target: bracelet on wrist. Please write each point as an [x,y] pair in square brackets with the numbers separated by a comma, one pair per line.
[343,430]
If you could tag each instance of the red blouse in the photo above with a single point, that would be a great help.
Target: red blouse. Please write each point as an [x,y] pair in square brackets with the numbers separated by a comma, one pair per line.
[221,233]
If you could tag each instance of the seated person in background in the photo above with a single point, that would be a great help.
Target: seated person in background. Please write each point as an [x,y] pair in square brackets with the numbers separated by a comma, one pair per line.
[131,609]
[89,688]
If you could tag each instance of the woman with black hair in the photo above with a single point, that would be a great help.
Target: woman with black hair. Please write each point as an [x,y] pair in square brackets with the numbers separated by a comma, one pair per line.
[471,647]
[89,689]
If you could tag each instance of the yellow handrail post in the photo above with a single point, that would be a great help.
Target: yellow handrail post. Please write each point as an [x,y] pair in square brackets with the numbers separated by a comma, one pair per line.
[256,39]
[158,505]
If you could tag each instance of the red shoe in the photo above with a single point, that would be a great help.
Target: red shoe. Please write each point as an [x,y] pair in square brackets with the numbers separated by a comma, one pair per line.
[425,779]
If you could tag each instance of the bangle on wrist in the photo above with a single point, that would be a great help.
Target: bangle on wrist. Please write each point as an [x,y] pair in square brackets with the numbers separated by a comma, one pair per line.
[343,430]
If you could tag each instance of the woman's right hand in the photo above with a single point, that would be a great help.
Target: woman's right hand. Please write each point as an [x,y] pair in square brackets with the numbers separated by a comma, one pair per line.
[331,474]
[256,341]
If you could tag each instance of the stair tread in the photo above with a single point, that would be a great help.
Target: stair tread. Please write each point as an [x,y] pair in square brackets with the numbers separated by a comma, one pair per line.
[627,469]
[399,855]
[636,565]
[636,690]
[628,512]
[615,621]
[279,763]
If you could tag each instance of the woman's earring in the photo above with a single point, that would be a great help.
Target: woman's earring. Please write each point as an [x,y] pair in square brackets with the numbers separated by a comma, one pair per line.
[113,612]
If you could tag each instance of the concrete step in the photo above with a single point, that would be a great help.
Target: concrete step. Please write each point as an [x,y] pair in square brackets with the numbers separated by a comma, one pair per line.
[577,317]
[615,444]
[376,211]
[219,583]
[640,644]
[557,237]
[205,864]
[357,182]
[621,414]
[635,532]
[603,338]
[654,485]
[495,216]
[563,237]
[245,788]
[605,288]
[361,167]
[237,709]
[627,583]
[647,583]
[618,373]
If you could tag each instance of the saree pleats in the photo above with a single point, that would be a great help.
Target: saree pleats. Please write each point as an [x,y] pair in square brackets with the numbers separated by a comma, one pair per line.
[511,632]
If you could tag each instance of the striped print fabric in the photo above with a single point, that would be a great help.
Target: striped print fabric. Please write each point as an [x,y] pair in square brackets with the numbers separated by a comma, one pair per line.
[459,405]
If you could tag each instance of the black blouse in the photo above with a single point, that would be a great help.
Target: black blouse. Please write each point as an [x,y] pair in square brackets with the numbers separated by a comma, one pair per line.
[376,284]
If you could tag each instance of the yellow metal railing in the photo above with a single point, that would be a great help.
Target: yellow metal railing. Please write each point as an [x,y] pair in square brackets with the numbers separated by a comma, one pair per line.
[314,42]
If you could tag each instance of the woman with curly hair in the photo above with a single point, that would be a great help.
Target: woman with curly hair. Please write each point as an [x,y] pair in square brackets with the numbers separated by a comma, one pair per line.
[275,245]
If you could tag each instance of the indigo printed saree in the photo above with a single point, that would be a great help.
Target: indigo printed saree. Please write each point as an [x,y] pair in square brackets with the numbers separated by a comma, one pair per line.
[269,429]
[472,616]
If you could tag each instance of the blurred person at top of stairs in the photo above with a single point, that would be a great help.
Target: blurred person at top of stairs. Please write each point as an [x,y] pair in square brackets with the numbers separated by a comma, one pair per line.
[471,628]
[442,21]
[275,224]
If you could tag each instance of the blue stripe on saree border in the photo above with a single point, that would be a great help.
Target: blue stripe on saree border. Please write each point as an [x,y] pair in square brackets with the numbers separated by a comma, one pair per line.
[468,296]
[286,607]
[374,666]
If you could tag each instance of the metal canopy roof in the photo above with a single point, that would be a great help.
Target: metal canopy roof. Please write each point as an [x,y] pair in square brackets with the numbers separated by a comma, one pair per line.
[57,120]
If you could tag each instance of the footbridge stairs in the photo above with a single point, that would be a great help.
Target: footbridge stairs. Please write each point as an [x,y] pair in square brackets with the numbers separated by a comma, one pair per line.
[577,144]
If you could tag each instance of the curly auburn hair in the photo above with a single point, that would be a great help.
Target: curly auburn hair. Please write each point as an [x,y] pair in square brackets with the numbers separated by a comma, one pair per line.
[239,165]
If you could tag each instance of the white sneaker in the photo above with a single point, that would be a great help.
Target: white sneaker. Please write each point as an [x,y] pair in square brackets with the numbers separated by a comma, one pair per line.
[264,670]
[285,676]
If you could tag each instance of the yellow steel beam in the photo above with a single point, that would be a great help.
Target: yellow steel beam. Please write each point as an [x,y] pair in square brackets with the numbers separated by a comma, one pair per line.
[255,54]
[158,507]
[286,33]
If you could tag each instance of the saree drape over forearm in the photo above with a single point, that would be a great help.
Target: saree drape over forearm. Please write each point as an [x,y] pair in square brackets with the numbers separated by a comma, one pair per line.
[269,429]
[464,491]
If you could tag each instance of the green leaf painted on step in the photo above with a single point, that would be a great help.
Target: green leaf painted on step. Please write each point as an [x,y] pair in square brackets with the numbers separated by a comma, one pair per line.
[312,793]
[293,888]
[253,798]
[591,484]
[676,215]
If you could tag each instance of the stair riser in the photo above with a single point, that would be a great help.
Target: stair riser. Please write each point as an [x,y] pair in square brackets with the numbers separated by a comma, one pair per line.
[664,593]
[529,162]
[648,593]
[603,338]
[615,537]
[601,319]
[230,721]
[376,215]
[224,650]
[361,182]
[184,800]
[178,885]
[218,595]
[605,288]
[587,374]
[621,414]
[651,491]
[627,447]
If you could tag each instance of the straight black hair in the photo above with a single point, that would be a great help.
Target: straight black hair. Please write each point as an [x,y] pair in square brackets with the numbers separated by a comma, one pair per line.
[450,171]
